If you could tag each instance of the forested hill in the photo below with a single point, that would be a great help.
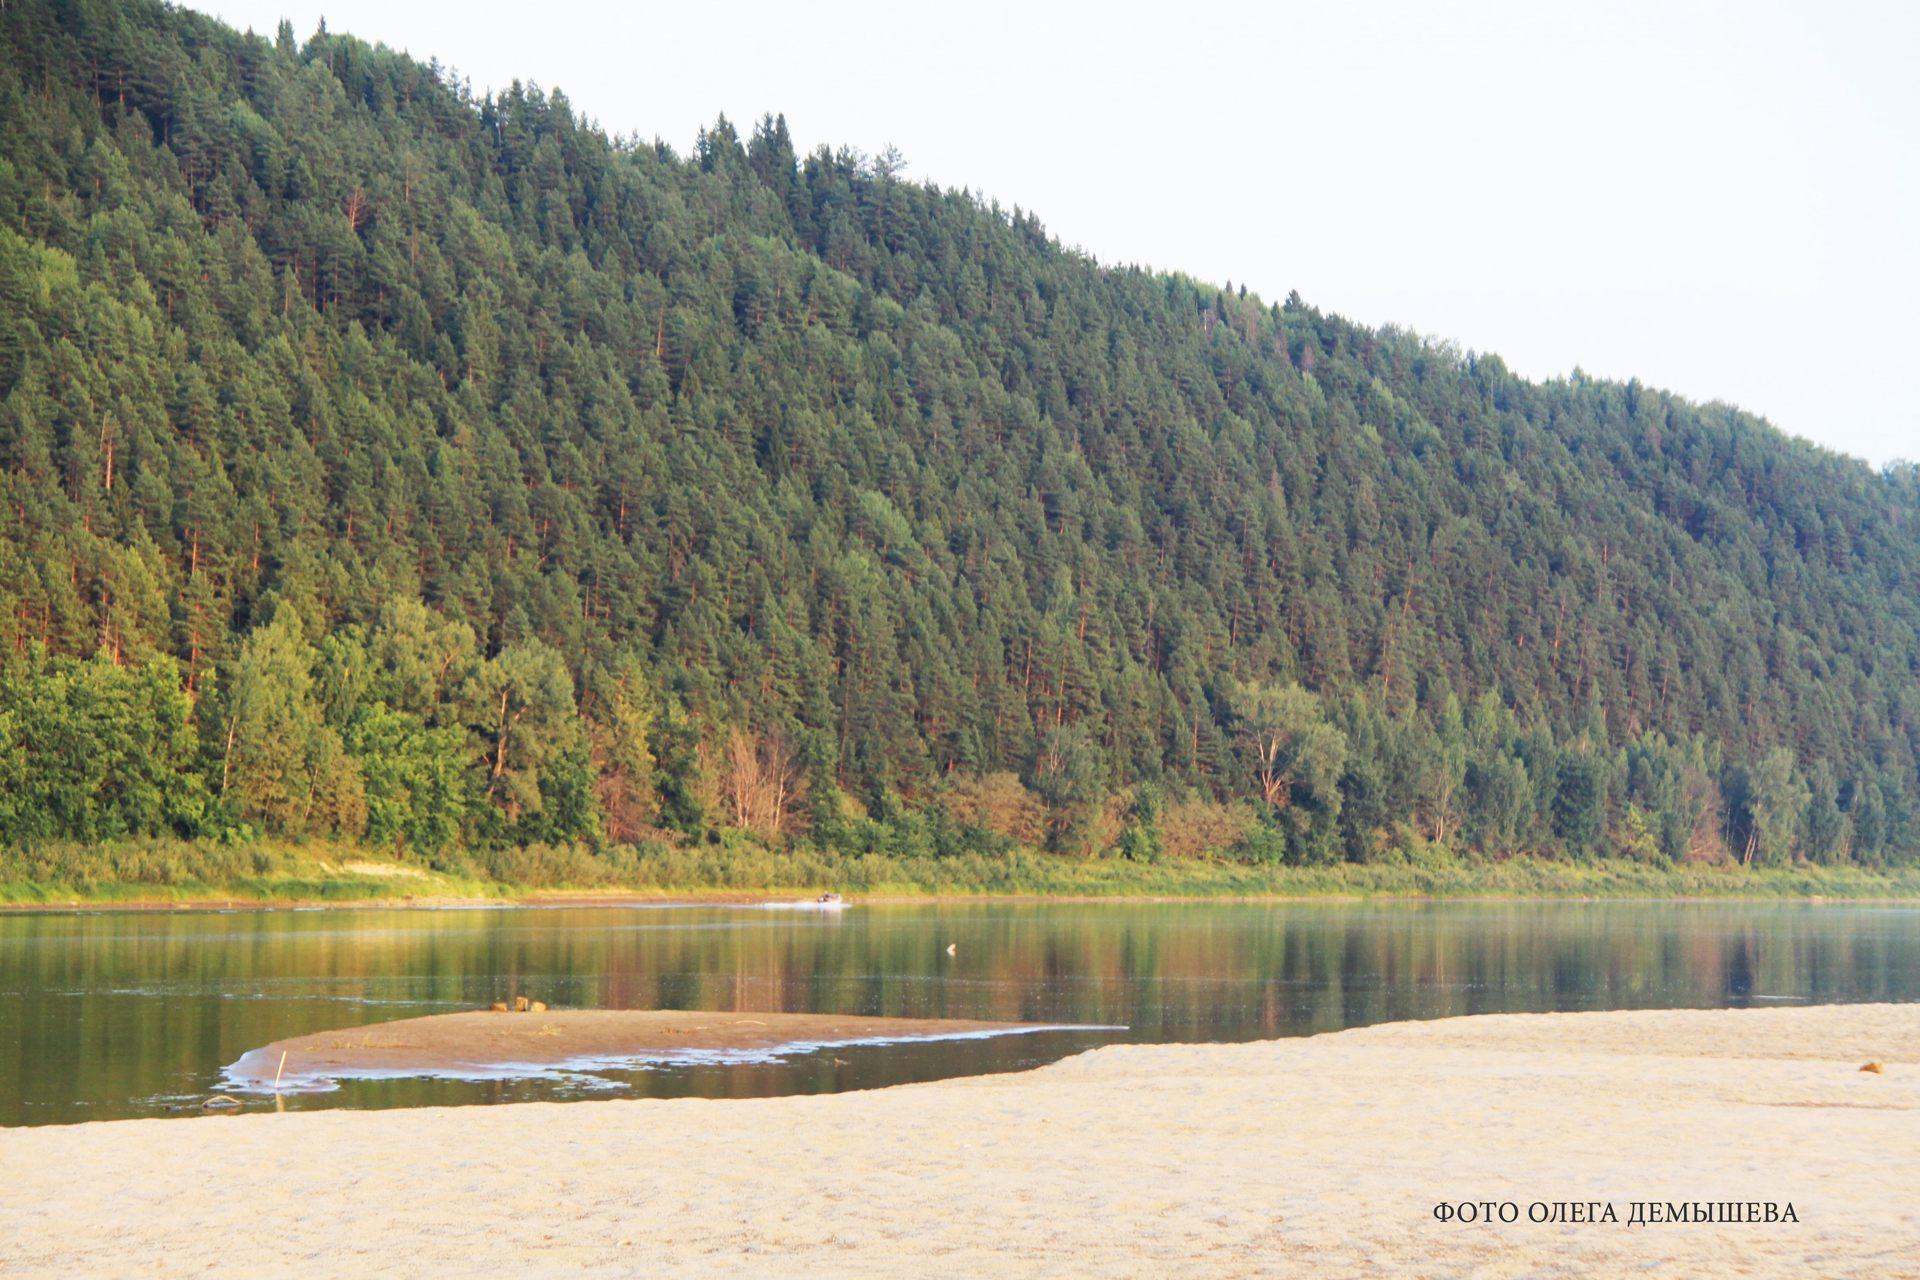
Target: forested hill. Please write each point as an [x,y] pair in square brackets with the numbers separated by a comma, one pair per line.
[747,488]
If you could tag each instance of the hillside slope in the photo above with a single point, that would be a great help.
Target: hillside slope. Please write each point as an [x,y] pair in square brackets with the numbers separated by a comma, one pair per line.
[748,488]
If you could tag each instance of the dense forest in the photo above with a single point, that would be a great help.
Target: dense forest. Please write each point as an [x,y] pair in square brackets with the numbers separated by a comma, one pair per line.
[383,462]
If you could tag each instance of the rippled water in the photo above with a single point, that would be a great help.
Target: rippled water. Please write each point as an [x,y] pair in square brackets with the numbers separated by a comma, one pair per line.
[113,1015]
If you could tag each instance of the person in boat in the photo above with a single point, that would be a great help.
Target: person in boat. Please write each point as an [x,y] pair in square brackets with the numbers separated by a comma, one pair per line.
[828,897]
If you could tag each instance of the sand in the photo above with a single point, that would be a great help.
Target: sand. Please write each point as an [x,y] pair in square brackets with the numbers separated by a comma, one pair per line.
[483,1043]
[1320,1156]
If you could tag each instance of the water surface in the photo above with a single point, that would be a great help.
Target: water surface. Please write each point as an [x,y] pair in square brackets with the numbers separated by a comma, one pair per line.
[113,1015]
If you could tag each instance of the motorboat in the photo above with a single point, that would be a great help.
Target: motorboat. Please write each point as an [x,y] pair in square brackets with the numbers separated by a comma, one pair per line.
[825,902]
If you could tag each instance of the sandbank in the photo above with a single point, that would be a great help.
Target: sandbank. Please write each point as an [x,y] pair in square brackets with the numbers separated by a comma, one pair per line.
[1321,1156]
[482,1043]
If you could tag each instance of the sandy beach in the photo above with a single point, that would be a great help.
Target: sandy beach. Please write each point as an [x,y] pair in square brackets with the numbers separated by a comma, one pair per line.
[1322,1156]
[482,1043]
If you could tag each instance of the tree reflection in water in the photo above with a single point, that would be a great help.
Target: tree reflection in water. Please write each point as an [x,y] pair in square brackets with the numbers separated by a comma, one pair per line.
[105,1015]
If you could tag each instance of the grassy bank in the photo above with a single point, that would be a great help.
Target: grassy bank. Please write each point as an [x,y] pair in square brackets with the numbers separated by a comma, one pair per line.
[172,871]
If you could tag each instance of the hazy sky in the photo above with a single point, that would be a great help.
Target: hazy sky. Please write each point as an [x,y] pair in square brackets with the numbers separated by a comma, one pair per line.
[1722,199]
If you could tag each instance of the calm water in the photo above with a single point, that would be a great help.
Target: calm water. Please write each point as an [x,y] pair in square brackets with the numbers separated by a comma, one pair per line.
[105,1016]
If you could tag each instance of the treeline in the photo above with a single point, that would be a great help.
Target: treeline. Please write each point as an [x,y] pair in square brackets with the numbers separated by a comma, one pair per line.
[441,472]
[406,737]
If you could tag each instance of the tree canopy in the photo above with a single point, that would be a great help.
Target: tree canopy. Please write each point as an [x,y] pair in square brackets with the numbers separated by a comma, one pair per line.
[431,469]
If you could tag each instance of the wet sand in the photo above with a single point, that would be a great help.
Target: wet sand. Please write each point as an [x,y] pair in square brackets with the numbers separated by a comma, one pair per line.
[1321,1156]
[493,1043]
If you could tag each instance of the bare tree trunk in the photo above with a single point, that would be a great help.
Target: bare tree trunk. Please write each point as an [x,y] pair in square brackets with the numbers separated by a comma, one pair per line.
[499,748]
[226,763]
[744,781]
[776,754]
[763,784]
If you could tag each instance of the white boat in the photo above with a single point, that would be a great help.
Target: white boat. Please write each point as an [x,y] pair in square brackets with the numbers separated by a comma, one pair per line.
[825,902]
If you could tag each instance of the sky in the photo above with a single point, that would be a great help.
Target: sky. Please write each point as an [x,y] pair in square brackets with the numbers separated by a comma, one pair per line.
[1719,199]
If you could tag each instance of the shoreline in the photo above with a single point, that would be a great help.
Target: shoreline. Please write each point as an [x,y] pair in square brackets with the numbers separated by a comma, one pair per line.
[1325,1154]
[563,900]
[542,1042]
[186,876]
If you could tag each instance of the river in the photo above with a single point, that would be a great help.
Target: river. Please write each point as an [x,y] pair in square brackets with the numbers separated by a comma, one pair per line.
[108,1015]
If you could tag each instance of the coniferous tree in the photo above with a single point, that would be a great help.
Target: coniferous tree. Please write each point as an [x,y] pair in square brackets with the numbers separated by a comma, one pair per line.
[347,402]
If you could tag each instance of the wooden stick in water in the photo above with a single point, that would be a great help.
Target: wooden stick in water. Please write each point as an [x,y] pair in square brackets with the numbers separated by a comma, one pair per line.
[282,1067]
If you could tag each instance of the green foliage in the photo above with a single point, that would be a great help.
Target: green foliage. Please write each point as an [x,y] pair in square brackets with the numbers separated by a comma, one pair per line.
[1775,799]
[567,865]
[415,789]
[1579,802]
[1067,774]
[680,777]
[149,864]
[281,764]
[1671,786]
[446,465]
[1291,750]
[411,658]
[1827,835]
[620,725]
[94,751]
[520,715]
[189,871]
[924,833]
[1141,839]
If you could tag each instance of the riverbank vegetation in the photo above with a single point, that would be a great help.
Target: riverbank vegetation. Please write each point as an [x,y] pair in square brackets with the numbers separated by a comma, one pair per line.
[175,872]
[445,480]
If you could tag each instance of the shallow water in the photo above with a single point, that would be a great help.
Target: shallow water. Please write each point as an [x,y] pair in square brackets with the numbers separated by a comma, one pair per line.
[114,1015]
